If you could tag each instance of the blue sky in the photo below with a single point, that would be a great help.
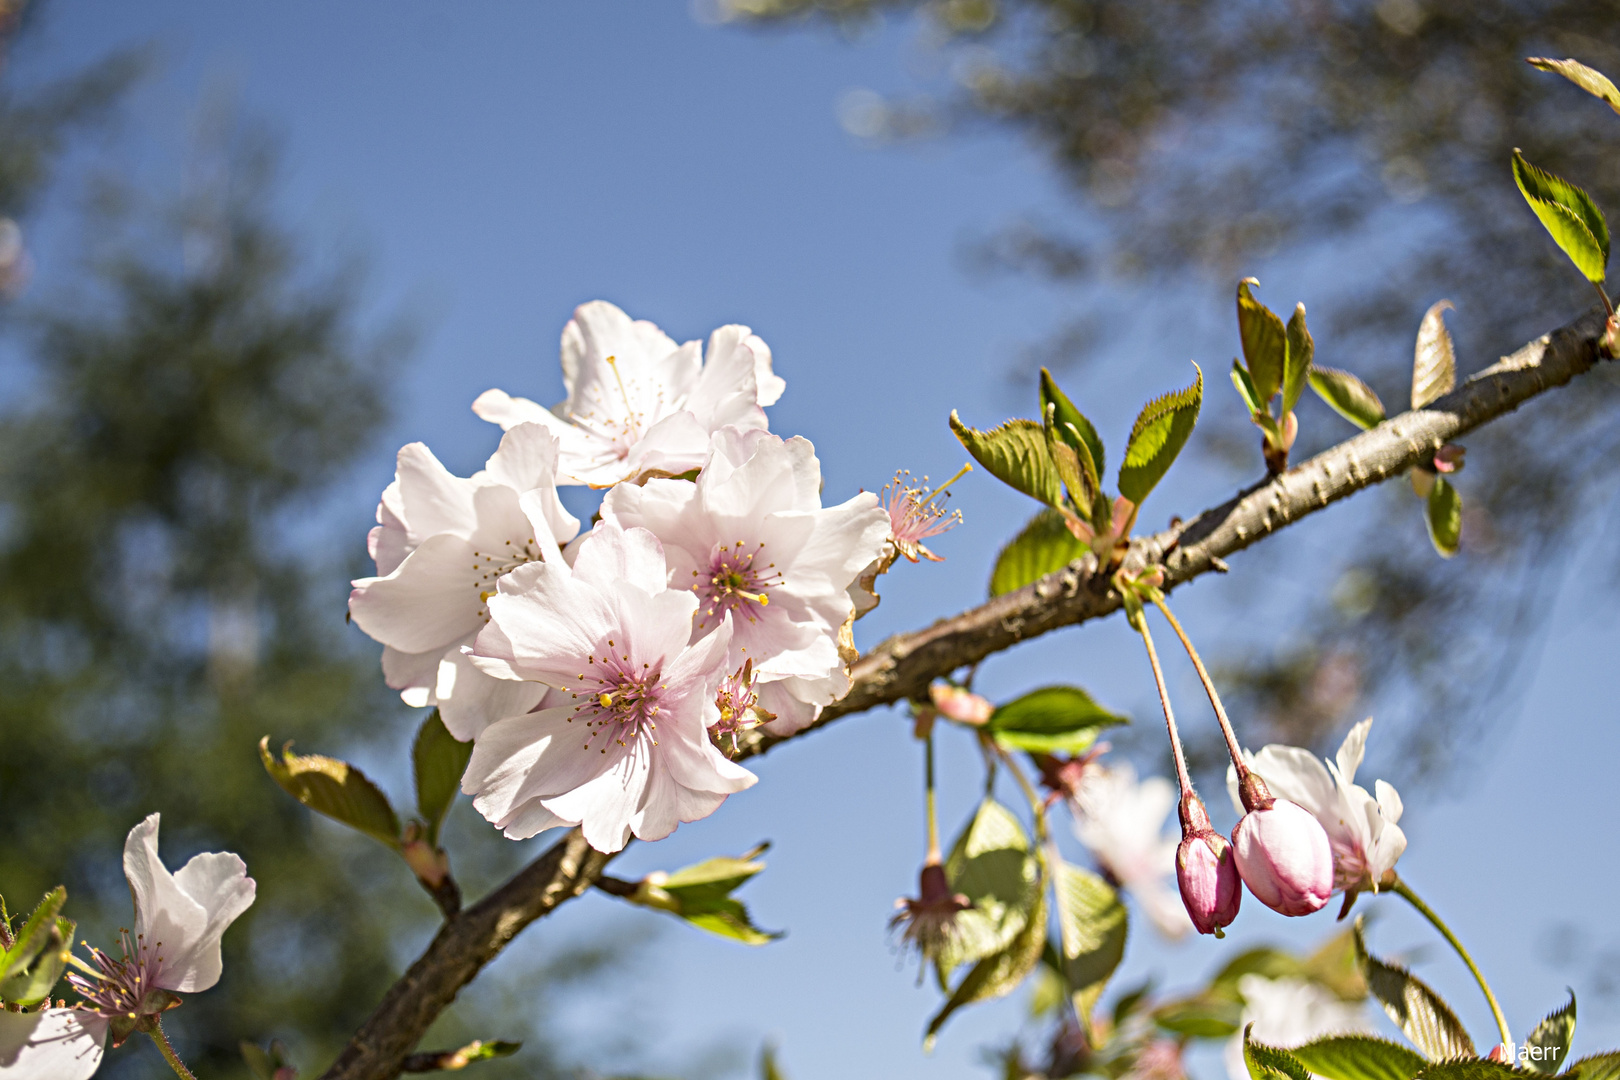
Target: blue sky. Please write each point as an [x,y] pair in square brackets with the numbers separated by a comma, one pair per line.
[498,164]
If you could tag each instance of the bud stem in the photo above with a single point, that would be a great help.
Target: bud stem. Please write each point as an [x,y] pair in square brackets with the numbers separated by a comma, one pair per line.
[1445,932]
[1209,686]
[928,788]
[1169,714]
[154,1027]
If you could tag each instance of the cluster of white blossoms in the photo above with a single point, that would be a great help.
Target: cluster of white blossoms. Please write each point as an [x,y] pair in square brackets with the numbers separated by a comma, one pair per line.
[594,672]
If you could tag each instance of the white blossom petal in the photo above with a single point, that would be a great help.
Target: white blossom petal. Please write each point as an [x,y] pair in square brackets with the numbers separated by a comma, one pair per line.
[52,1044]
[181,917]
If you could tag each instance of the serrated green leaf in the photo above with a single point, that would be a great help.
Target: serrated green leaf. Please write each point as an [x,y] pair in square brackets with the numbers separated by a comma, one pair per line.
[1546,1049]
[34,937]
[1334,965]
[1264,961]
[1596,1067]
[1043,545]
[1071,461]
[728,918]
[1434,361]
[1161,430]
[1444,517]
[437,761]
[1593,82]
[1358,1057]
[700,894]
[992,865]
[1301,354]
[1092,926]
[1569,215]
[1000,973]
[1270,1062]
[1014,453]
[1265,343]
[1069,416]
[719,876]
[334,788]
[32,982]
[1348,396]
[1245,388]
[1470,1069]
[1053,719]
[1417,1010]
[1201,1016]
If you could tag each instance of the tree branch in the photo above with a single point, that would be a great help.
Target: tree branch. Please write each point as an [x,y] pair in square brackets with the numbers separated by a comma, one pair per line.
[904,665]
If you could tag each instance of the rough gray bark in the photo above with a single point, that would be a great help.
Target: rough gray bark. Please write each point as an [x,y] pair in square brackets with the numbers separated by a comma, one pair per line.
[904,665]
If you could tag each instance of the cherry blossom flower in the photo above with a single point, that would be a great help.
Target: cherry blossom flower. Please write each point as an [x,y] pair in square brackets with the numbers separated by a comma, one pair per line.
[752,541]
[1362,830]
[1121,821]
[441,544]
[916,512]
[1283,857]
[639,405]
[179,919]
[1289,1012]
[928,923]
[628,753]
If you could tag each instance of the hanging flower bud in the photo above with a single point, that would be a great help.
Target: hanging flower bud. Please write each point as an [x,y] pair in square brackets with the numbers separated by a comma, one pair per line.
[1206,870]
[929,921]
[1282,851]
[959,704]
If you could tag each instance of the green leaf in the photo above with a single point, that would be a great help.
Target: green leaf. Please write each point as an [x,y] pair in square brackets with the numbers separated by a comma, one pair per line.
[1270,1062]
[32,982]
[1473,1069]
[1092,925]
[1569,215]
[1334,965]
[1000,973]
[701,895]
[1053,719]
[1417,1010]
[1045,544]
[334,788]
[263,1063]
[992,865]
[1593,82]
[1445,517]
[1014,453]
[1264,961]
[437,760]
[1246,390]
[1546,1049]
[34,937]
[1434,361]
[1348,396]
[1358,1057]
[1071,460]
[1301,353]
[1160,431]
[1069,416]
[1596,1067]
[1201,1016]
[1265,343]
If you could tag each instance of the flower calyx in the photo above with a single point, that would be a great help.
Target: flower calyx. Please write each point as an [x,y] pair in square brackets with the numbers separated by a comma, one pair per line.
[928,922]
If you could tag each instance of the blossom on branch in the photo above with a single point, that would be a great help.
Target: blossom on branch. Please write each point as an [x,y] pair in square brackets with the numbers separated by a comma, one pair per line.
[629,752]
[179,919]
[752,542]
[1362,830]
[441,544]
[638,404]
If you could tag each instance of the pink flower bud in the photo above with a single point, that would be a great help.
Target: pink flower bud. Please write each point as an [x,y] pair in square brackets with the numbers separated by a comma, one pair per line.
[963,706]
[1206,871]
[1282,852]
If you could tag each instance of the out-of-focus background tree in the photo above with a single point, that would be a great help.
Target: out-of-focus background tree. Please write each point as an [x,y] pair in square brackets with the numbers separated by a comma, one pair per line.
[1200,140]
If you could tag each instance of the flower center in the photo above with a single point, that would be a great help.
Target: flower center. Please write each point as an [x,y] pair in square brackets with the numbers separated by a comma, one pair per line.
[121,986]
[491,566]
[618,702]
[737,581]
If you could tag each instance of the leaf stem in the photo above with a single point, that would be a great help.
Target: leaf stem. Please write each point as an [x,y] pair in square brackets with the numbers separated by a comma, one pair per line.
[154,1028]
[1608,306]
[1169,714]
[1209,685]
[1445,931]
[1037,805]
